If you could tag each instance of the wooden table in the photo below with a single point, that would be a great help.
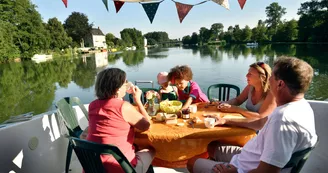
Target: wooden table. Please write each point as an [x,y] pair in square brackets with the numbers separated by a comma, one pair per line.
[174,144]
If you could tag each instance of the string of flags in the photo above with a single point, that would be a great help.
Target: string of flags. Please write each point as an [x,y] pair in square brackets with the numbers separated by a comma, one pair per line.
[151,6]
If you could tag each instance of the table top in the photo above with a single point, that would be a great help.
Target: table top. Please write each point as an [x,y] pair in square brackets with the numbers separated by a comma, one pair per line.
[161,130]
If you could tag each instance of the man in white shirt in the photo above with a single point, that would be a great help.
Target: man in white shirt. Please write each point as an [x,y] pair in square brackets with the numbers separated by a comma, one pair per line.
[290,128]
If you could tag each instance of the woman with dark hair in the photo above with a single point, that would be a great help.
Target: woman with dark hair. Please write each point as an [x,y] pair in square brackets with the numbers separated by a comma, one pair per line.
[112,120]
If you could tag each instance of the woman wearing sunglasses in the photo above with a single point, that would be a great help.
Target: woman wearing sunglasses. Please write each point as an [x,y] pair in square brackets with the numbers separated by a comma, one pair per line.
[259,100]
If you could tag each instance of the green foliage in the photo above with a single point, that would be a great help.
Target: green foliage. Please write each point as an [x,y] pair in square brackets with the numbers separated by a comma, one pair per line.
[28,32]
[157,37]
[8,50]
[313,22]
[151,41]
[246,34]
[216,29]
[186,40]
[204,35]
[110,40]
[194,38]
[132,37]
[274,14]
[77,26]
[58,36]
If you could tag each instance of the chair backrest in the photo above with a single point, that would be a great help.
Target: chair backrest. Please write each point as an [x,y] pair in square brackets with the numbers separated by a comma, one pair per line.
[89,153]
[224,91]
[65,109]
[143,96]
[299,158]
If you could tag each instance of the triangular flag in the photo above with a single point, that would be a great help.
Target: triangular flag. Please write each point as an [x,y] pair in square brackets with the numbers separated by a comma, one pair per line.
[65,3]
[118,5]
[151,9]
[106,4]
[223,3]
[242,3]
[183,10]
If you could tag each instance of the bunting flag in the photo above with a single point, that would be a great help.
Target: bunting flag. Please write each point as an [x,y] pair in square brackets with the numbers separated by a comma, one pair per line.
[65,3]
[223,3]
[183,10]
[151,9]
[118,5]
[242,3]
[106,4]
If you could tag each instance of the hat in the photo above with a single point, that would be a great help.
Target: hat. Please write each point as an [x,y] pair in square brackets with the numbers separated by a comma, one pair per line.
[162,77]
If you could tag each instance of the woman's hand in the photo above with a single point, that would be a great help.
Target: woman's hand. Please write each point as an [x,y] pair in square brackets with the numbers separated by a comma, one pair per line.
[225,107]
[136,92]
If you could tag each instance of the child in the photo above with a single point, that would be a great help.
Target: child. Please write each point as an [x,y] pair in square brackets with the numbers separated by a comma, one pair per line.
[166,91]
[188,91]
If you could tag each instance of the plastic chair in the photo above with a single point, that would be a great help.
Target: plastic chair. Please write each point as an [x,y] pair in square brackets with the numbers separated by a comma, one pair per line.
[299,158]
[65,110]
[89,153]
[224,91]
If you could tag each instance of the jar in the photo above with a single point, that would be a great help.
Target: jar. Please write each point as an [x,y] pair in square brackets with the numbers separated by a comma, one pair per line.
[185,116]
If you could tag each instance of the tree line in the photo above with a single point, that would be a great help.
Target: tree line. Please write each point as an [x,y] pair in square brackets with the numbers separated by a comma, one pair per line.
[23,33]
[312,26]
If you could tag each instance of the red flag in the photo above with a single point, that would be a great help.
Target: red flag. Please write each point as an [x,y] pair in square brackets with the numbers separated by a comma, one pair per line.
[183,10]
[118,5]
[242,3]
[65,3]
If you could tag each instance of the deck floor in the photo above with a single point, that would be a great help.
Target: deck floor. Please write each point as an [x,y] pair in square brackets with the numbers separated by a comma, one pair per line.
[76,168]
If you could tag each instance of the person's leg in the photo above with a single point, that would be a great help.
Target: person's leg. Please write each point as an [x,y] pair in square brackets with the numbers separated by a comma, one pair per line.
[144,157]
[204,166]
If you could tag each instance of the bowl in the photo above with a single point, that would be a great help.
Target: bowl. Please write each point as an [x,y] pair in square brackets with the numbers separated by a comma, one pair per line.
[170,107]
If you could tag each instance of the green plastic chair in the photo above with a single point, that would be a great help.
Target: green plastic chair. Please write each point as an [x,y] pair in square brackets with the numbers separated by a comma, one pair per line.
[143,96]
[224,91]
[299,158]
[65,110]
[89,153]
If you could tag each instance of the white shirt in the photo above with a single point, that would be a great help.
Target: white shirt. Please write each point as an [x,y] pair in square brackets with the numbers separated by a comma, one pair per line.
[290,128]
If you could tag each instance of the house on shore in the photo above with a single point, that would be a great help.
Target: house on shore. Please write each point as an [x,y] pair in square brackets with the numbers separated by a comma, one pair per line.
[95,39]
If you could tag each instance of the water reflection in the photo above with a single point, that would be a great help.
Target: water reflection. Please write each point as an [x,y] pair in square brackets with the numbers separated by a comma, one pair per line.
[28,86]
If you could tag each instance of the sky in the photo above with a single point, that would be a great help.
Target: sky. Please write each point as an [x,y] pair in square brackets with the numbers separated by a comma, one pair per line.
[132,15]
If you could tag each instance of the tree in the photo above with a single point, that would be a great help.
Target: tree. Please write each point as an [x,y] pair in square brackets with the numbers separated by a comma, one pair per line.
[77,26]
[58,36]
[8,50]
[313,22]
[132,37]
[204,35]
[159,36]
[259,32]
[237,33]
[274,14]
[110,40]
[217,29]
[246,34]
[28,32]
[194,38]
[186,40]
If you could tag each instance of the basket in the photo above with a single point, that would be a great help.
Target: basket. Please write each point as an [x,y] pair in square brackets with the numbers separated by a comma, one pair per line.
[170,107]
